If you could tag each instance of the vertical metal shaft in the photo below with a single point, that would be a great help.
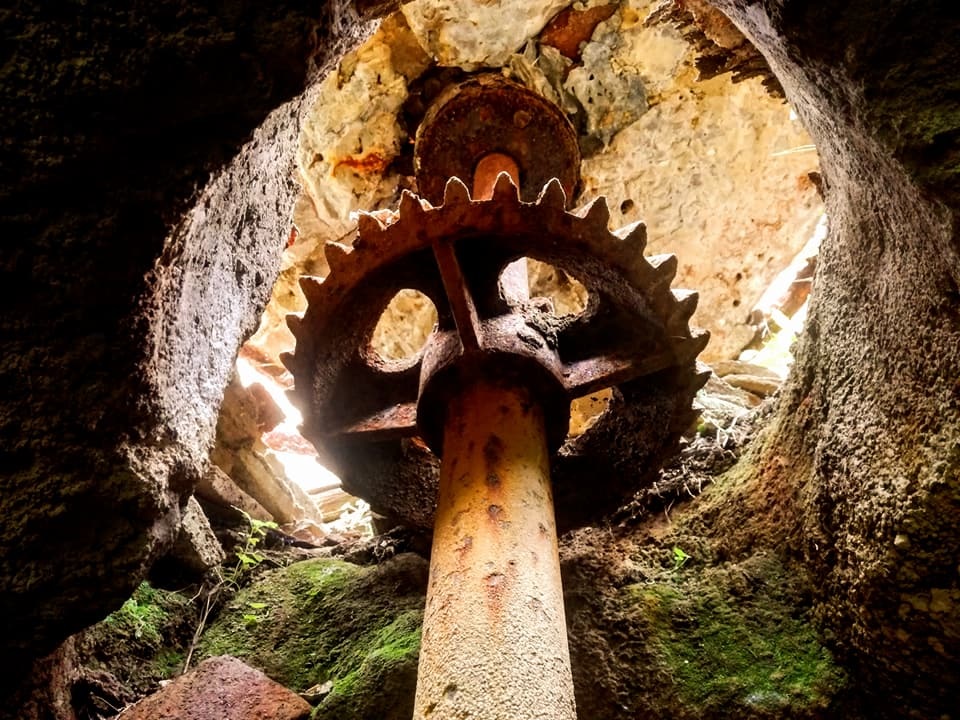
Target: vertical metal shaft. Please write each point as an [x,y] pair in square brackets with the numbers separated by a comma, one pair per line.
[494,634]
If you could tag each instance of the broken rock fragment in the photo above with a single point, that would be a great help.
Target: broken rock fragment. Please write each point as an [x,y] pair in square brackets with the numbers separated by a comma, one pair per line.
[221,688]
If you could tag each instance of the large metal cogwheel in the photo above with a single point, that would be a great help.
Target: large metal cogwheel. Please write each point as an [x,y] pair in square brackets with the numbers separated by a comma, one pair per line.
[362,412]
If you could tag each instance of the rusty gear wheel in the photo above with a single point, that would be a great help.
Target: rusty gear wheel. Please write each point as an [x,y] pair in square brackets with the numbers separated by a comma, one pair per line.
[361,412]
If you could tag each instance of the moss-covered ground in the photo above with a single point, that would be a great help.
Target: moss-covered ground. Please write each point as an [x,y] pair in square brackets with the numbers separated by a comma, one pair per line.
[351,633]
[733,637]
[145,641]
[691,613]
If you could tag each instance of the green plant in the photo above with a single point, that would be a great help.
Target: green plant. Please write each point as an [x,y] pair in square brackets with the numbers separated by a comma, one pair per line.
[680,558]
[249,557]
[253,617]
[141,615]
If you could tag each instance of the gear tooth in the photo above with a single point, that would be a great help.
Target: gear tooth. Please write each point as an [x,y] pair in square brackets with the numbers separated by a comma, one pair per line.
[596,214]
[368,224]
[552,195]
[592,210]
[694,345]
[410,205]
[634,237]
[310,286]
[699,380]
[504,190]
[455,192]
[294,322]
[289,360]
[701,337]
[336,254]
[684,309]
[664,269]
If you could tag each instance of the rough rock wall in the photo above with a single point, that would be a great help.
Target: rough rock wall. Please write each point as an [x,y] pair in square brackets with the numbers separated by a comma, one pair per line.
[118,335]
[866,454]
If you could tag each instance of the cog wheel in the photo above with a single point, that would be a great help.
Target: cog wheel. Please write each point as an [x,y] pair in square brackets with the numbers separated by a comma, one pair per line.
[361,411]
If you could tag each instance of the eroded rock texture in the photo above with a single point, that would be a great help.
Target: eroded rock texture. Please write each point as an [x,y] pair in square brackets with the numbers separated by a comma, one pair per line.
[119,335]
[864,468]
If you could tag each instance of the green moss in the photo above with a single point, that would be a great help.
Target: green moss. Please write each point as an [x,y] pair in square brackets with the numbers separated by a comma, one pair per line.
[169,662]
[143,615]
[733,642]
[393,647]
[144,641]
[327,621]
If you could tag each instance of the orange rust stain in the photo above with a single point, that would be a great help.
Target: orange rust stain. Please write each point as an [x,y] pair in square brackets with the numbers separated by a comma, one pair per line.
[364,164]
[464,547]
[572,27]
[493,451]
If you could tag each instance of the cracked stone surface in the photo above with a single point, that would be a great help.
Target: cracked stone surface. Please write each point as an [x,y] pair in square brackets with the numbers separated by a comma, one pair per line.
[472,34]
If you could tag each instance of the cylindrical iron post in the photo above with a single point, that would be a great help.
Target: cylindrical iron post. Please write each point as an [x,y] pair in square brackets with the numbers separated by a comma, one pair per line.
[494,634]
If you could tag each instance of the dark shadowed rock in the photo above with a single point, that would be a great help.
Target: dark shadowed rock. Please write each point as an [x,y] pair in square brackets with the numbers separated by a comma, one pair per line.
[120,323]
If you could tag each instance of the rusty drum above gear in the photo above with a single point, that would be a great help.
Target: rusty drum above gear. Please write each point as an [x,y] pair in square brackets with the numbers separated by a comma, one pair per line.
[375,422]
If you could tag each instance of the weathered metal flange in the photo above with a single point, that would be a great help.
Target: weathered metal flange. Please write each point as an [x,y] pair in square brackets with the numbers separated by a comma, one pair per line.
[361,411]
[489,114]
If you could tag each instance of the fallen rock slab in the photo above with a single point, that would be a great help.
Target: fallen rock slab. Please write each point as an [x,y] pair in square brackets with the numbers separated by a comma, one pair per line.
[756,384]
[197,548]
[221,688]
[218,488]
[723,368]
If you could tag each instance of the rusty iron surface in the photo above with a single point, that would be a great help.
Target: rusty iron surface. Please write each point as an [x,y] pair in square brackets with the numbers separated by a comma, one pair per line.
[494,635]
[490,114]
[633,335]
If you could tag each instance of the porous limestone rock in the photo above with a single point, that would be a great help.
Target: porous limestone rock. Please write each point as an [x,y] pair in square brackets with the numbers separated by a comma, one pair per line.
[349,141]
[474,34]
[719,172]
[662,143]
[611,93]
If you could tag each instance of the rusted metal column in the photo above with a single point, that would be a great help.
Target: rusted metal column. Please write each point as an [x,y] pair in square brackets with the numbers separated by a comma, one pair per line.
[491,391]
[494,634]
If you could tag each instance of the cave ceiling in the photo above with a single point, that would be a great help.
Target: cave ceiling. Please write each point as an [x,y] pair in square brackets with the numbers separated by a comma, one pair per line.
[681,126]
